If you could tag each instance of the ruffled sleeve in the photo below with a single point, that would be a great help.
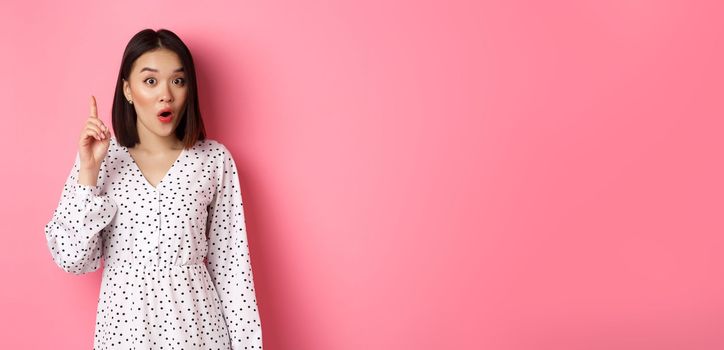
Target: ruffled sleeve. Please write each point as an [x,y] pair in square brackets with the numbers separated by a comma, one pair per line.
[73,232]
[228,260]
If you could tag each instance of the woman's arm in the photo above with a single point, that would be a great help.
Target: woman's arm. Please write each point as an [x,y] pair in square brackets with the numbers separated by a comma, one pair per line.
[228,259]
[73,233]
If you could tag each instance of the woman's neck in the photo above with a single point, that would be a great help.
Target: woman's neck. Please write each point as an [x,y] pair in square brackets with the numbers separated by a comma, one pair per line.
[153,144]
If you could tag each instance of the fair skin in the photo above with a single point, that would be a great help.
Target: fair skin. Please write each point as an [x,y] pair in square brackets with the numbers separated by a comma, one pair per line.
[154,83]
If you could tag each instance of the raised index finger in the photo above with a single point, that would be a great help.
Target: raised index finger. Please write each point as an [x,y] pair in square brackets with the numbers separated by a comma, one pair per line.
[93,108]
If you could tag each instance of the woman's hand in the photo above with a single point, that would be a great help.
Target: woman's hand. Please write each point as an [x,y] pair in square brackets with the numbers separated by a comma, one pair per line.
[94,140]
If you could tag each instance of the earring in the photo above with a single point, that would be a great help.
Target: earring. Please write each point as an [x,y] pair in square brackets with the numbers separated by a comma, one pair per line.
[129,101]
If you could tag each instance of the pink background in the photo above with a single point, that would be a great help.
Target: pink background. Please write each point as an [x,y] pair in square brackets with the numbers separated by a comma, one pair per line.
[417,175]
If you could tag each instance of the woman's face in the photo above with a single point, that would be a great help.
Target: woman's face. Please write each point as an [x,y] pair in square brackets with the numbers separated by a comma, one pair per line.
[157,84]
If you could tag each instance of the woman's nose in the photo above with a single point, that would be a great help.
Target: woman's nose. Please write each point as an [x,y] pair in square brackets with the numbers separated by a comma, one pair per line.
[166,94]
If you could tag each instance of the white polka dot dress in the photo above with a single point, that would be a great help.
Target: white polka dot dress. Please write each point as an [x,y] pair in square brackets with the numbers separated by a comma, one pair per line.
[177,272]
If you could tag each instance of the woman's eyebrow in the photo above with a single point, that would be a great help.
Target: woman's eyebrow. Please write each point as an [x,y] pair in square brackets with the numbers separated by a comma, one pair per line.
[156,70]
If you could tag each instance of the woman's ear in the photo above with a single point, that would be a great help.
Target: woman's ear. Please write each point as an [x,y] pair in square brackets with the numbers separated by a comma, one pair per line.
[126,89]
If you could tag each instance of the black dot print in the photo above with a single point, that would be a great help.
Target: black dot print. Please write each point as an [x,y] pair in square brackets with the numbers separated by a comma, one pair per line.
[177,272]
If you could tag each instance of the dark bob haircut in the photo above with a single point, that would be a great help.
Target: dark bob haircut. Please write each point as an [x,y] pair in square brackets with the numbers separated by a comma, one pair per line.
[191,127]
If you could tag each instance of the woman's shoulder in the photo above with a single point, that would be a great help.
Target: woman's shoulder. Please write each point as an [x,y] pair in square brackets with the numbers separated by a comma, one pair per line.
[114,148]
[210,146]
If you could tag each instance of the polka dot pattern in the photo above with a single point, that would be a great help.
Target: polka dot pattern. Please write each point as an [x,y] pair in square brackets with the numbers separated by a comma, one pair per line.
[177,272]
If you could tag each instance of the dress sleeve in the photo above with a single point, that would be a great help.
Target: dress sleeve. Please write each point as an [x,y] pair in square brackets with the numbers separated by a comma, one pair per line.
[228,260]
[73,233]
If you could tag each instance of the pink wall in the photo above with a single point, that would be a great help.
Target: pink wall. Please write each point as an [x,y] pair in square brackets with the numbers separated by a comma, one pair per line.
[417,175]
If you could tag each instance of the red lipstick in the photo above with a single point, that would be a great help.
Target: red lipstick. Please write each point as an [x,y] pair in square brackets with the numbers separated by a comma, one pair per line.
[165,115]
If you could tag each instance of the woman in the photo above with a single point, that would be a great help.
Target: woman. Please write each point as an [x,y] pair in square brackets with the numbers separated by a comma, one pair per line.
[161,204]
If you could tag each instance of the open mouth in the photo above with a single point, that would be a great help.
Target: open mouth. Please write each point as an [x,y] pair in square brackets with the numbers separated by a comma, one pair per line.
[165,116]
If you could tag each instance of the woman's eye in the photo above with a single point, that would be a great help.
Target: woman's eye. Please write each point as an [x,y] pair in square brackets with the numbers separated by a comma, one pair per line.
[179,81]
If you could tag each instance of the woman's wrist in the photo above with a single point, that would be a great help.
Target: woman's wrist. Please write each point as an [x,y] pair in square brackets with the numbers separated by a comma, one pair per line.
[88,177]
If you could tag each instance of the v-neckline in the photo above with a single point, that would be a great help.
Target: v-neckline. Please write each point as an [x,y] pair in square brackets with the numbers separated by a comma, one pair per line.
[166,175]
